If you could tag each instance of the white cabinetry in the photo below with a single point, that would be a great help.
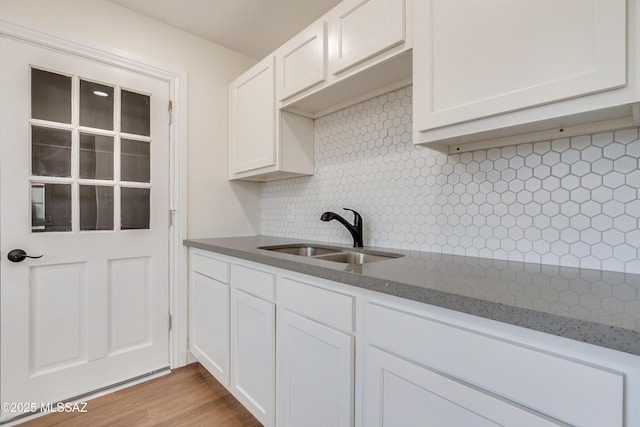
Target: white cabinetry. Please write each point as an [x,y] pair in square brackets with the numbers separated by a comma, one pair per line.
[367,52]
[293,358]
[466,374]
[315,356]
[402,393]
[252,330]
[209,314]
[315,373]
[252,119]
[366,45]
[263,143]
[361,29]
[302,61]
[534,69]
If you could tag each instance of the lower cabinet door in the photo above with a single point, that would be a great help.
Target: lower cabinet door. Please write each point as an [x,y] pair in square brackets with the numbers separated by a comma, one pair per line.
[399,393]
[209,329]
[315,374]
[253,354]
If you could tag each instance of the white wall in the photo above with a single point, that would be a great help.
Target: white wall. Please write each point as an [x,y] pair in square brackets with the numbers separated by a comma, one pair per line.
[572,202]
[215,206]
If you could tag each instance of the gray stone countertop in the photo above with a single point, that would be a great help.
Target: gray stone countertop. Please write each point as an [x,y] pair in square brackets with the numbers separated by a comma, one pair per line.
[592,306]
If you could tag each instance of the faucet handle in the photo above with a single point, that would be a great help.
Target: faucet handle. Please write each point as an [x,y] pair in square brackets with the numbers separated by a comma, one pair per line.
[357,220]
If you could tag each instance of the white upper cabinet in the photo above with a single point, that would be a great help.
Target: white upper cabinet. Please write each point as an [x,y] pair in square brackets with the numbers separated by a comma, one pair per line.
[252,119]
[486,70]
[361,29]
[265,143]
[357,50]
[302,61]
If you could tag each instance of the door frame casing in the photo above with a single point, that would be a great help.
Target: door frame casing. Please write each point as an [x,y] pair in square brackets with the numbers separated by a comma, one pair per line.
[177,276]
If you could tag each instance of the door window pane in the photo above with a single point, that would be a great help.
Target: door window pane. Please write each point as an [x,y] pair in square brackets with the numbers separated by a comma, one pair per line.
[96,207]
[136,113]
[96,105]
[50,96]
[96,156]
[135,208]
[50,207]
[135,161]
[37,208]
[50,152]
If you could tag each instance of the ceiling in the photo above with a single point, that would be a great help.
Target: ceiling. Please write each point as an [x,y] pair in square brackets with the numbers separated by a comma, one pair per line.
[252,27]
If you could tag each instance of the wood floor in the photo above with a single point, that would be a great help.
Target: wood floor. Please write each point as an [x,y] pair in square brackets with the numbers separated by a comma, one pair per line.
[188,396]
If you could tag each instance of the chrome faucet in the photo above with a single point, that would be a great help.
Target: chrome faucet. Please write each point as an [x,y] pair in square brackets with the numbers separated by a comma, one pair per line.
[355,229]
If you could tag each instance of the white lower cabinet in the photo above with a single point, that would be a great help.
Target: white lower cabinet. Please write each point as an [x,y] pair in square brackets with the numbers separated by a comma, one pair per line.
[298,351]
[315,373]
[209,315]
[315,354]
[440,369]
[252,354]
[404,394]
[210,334]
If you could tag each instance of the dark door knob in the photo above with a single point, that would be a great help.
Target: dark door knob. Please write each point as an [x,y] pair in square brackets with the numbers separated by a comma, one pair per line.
[17,255]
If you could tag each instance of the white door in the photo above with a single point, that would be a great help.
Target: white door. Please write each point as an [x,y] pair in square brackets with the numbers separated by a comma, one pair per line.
[84,164]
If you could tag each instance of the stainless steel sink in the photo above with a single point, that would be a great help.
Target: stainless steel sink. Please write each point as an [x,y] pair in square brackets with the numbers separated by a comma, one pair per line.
[349,257]
[301,249]
[328,253]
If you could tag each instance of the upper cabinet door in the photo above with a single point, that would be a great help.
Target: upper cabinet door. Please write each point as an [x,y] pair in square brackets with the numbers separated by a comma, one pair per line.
[361,29]
[252,118]
[302,61]
[475,59]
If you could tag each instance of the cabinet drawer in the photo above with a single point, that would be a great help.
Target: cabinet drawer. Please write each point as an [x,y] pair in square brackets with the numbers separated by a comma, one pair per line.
[328,307]
[253,281]
[565,389]
[208,266]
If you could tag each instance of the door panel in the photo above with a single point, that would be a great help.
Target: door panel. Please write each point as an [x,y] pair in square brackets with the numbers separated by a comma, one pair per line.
[93,311]
[58,317]
[129,304]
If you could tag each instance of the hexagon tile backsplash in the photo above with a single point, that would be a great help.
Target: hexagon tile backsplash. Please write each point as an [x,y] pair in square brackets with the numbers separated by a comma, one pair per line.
[573,202]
